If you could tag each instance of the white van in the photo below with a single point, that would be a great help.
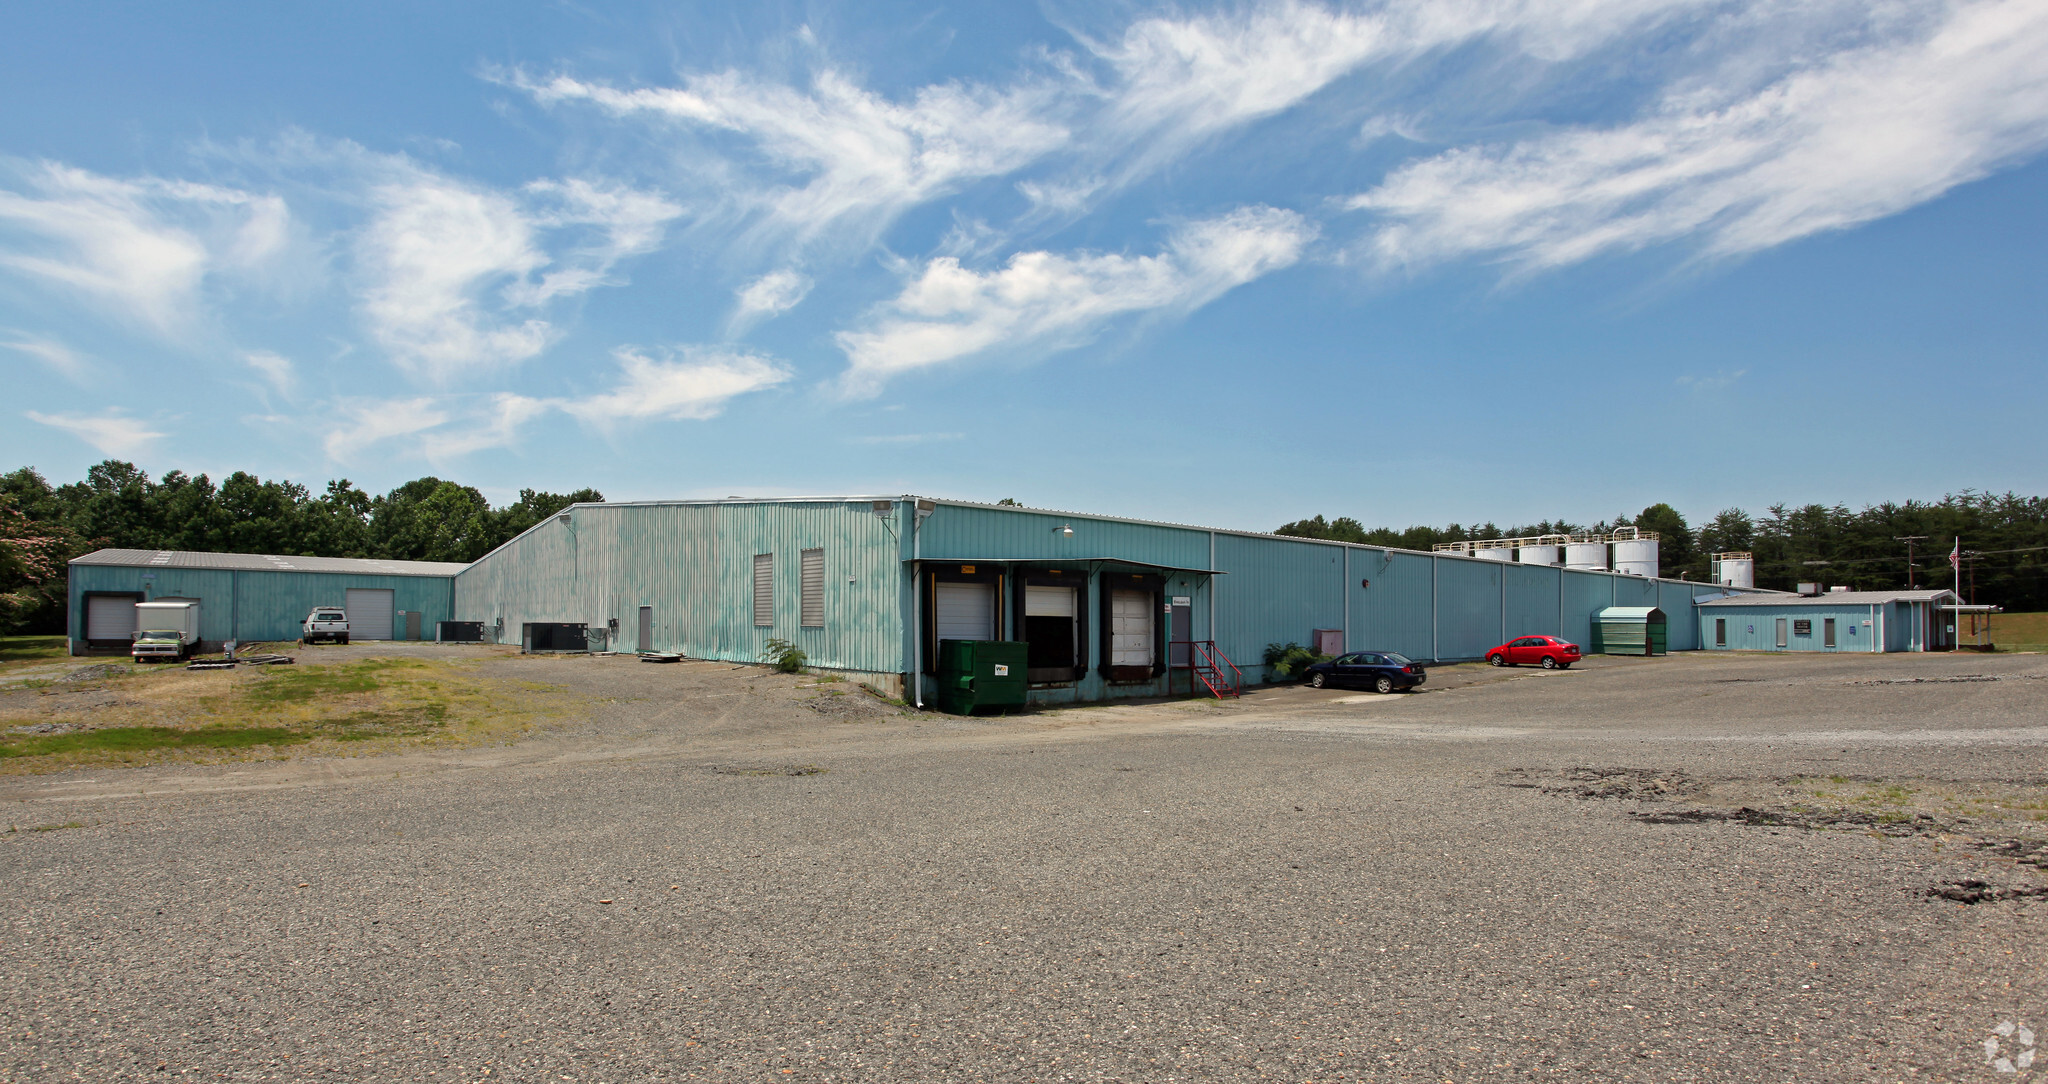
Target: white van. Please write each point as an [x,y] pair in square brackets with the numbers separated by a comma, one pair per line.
[325,623]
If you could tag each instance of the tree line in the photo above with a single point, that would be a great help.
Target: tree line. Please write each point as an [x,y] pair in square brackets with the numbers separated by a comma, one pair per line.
[118,506]
[2004,540]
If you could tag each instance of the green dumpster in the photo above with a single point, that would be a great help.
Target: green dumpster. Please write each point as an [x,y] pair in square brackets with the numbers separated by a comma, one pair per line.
[1629,630]
[981,673]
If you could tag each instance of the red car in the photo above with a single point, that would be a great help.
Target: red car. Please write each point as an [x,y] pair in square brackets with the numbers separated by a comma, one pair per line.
[1549,652]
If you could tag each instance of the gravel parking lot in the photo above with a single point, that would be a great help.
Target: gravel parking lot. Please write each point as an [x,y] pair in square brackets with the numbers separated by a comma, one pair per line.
[1693,868]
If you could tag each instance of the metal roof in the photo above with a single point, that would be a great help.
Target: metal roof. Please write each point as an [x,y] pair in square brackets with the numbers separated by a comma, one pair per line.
[1834,598]
[256,562]
[1055,512]
[1628,613]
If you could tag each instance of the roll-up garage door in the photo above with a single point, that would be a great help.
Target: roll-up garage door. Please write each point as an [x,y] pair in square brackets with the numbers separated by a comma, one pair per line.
[369,613]
[965,611]
[109,618]
[1050,629]
[1130,628]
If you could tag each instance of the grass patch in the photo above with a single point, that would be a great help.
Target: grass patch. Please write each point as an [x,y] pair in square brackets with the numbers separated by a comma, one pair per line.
[139,739]
[2020,632]
[298,685]
[33,648]
[361,707]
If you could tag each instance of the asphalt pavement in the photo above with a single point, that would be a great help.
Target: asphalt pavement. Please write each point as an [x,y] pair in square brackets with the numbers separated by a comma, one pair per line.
[713,879]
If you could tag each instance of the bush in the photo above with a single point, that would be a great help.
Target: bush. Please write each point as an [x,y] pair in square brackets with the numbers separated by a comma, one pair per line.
[1289,660]
[784,656]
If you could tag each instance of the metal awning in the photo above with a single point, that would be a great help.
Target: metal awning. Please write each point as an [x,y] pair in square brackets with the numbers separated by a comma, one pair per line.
[1122,561]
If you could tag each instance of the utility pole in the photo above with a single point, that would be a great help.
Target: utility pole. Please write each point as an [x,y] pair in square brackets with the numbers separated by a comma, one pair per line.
[1910,566]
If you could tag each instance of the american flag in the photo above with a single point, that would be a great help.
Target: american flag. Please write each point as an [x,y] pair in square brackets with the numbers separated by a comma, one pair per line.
[1955,558]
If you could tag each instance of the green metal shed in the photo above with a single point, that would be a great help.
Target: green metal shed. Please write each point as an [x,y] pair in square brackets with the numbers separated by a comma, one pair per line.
[1630,630]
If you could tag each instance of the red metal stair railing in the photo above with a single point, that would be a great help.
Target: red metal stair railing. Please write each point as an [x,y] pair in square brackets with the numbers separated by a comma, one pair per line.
[1215,670]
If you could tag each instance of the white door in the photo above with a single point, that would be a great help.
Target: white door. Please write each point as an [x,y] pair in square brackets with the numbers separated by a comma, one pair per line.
[109,618]
[965,611]
[369,613]
[1130,628]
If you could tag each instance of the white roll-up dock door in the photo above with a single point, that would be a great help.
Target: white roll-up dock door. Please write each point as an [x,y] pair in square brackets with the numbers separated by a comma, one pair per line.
[369,613]
[109,618]
[965,611]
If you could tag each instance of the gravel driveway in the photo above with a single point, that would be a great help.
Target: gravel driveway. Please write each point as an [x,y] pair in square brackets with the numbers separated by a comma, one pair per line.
[1626,871]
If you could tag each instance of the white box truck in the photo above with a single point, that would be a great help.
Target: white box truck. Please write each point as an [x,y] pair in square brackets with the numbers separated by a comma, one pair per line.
[165,630]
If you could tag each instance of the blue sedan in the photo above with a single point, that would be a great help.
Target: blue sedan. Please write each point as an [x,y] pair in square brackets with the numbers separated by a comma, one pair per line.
[1382,671]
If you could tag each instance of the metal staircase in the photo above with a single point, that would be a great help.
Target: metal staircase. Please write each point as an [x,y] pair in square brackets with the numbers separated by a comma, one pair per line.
[1215,670]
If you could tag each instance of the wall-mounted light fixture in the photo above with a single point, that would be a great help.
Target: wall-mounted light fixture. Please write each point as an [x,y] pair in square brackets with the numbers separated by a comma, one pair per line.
[1064,531]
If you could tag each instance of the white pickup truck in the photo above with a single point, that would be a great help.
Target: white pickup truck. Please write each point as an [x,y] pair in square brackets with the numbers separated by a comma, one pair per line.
[164,630]
[325,623]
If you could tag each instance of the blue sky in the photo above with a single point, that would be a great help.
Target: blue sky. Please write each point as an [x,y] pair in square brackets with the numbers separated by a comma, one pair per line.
[1413,261]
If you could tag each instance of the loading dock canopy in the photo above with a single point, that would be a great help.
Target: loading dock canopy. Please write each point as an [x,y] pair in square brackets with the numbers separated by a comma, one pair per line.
[1111,563]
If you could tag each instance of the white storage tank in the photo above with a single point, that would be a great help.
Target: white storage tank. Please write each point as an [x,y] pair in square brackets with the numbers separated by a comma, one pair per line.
[1547,550]
[1588,554]
[1635,552]
[1735,570]
[1486,551]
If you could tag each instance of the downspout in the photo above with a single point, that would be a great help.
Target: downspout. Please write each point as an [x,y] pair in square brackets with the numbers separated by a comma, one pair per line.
[1212,589]
[235,605]
[1873,626]
[1436,653]
[916,608]
[1344,596]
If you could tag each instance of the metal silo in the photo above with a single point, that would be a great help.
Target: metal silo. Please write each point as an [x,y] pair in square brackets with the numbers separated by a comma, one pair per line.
[1635,552]
[1735,570]
[1588,553]
[1545,550]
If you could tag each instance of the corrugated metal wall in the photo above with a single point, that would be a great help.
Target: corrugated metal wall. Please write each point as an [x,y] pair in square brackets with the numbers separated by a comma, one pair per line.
[1278,590]
[694,565]
[252,605]
[1755,628]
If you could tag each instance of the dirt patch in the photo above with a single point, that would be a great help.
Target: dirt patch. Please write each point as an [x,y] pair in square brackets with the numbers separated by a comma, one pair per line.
[1609,784]
[99,672]
[1974,892]
[1950,679]
[759,772]
[1841,820]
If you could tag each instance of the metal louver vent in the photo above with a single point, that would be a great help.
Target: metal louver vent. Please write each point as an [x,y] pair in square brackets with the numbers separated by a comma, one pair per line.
[814,588]
[764,590]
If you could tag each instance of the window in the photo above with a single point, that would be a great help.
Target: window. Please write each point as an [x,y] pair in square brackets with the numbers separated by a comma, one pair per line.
[813,585]
[764,590]
[1782,638]
[1720,632]
[1827,632]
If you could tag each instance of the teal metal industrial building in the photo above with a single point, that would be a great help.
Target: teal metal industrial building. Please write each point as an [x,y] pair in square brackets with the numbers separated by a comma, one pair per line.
[1869,621]
[250,597]
[1111,607]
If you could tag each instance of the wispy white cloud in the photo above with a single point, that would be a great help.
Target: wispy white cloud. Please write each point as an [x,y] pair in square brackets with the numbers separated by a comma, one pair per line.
[366,422]
[910,438]
[140,247]
[834,152]
[1719,380]
[1049,300]
[61,359]
[691,382]
[113,433]
[498,425]
[275,369]
[454,275]
[1842,140]
[433,249]
[766,297]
